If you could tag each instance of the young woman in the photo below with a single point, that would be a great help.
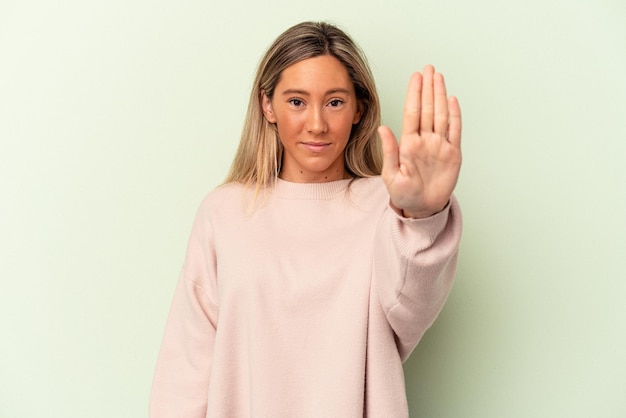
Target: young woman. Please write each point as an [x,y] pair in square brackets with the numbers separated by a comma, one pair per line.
[310,277]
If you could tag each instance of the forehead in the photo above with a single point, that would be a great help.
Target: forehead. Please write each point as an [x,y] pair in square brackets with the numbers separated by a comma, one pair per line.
[323,72]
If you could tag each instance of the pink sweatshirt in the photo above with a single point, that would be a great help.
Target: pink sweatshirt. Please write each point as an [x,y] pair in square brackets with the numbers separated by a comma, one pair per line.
[304,307]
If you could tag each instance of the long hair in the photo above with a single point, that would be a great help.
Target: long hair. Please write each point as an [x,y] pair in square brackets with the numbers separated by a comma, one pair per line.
[258,159]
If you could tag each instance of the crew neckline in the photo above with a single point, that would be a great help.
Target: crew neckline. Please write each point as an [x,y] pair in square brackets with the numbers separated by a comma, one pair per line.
[325,191]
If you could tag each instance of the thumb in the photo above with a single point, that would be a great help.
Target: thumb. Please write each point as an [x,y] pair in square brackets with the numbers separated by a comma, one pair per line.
[390,152]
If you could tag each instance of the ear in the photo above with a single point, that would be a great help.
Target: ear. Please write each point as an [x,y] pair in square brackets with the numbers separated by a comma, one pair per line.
[266,105]
[358,114]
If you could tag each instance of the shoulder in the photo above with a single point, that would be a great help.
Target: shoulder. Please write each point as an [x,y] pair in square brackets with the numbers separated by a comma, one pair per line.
[226,197]
[223,192]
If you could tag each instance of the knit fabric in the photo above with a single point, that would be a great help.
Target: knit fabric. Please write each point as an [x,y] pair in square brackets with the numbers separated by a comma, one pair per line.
[303,303]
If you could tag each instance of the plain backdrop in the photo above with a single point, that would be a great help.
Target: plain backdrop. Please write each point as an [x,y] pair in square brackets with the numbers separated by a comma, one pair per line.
[117,117]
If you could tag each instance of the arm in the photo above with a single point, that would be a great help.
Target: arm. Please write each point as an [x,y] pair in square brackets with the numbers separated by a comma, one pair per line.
[414,267]
[181,380]
[415,274]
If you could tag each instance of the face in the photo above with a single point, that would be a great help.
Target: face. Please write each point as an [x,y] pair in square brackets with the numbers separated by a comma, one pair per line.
[314,107]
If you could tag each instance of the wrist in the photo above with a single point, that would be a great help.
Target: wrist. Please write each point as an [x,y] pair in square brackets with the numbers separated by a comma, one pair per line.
[421,214]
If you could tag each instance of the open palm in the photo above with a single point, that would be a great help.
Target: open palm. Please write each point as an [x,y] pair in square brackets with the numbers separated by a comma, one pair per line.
[422,170]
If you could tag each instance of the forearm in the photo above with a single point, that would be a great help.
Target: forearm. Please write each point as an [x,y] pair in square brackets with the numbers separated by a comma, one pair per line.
[181,378]
[415,265]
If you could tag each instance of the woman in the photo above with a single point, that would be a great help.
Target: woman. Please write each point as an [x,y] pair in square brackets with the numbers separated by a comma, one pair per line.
[310,277]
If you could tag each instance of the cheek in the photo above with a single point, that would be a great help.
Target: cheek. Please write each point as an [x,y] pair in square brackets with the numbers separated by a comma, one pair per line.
[344,125]
[288,126]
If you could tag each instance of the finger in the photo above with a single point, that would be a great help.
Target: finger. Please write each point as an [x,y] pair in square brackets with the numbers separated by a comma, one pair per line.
[390,152]
[455,127]
[441,105]
[426,119]
[412,108]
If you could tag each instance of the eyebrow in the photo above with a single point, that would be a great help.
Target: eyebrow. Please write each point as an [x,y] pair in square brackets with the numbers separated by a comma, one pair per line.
[306,93]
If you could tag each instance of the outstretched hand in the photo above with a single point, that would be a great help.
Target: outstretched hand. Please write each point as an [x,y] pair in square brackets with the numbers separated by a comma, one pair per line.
[421,172]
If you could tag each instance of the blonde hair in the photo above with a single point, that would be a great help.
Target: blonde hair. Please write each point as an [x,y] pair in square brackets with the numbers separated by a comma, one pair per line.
[258,158]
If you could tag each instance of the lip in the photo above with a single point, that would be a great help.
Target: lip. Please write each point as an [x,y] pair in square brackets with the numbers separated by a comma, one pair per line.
[315,146]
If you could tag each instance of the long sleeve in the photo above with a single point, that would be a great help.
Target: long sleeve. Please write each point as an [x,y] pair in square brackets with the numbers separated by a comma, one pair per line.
[414,267]
[182,373]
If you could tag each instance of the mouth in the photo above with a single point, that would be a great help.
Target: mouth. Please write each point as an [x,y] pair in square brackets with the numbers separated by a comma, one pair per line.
[315,146]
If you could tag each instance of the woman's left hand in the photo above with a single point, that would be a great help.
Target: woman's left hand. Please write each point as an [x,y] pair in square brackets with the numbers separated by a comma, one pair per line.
[421,172]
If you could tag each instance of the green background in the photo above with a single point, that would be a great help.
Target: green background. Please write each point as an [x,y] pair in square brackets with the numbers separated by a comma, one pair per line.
[117,117]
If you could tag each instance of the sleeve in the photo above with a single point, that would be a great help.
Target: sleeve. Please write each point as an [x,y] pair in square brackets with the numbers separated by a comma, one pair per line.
[414,268]
[181,379]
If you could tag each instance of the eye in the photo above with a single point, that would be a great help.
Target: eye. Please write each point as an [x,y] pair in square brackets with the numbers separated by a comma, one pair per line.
[335,103]
[295,102]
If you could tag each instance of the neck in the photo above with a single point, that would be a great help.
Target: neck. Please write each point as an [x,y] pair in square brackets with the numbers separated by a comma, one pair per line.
[304,177]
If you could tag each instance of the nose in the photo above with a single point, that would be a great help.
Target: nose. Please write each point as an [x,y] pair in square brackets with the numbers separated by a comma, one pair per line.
[316,121]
